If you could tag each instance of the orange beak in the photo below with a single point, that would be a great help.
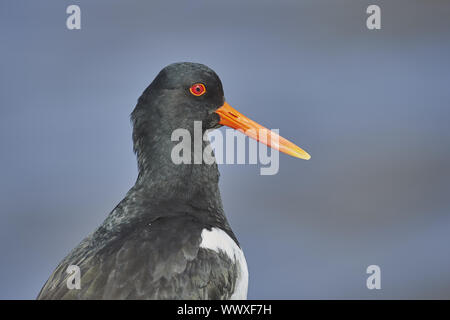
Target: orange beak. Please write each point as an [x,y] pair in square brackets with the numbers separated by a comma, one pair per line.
[234,119]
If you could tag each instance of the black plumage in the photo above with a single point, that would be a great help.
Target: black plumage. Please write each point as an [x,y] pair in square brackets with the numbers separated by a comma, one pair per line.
[149,245]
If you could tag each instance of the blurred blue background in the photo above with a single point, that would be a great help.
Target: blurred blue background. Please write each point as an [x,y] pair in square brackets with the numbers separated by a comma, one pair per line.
[371,107]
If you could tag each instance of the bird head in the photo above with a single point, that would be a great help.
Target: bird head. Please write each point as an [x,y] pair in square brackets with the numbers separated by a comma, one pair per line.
[186,92]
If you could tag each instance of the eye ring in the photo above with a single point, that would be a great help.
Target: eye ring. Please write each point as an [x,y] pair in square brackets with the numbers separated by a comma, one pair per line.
[198,89]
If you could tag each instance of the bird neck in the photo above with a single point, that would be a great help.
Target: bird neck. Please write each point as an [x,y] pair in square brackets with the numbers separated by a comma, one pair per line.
[161,179]
[164,189]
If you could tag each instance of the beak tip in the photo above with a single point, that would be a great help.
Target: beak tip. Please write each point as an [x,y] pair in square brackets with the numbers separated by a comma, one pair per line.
[307,157]
[302,155]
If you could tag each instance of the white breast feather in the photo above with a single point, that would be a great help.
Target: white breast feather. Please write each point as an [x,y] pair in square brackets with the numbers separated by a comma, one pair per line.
[219,240]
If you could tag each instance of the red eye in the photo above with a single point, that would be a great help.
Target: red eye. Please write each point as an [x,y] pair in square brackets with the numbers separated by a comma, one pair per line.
[197,89]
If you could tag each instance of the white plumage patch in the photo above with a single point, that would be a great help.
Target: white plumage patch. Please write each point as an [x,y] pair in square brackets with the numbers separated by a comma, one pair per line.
[219,240]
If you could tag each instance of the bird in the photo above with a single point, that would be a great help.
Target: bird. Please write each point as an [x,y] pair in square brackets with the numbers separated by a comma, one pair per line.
[169,237]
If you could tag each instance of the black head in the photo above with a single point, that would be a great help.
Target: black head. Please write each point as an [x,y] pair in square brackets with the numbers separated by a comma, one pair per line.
[181,94]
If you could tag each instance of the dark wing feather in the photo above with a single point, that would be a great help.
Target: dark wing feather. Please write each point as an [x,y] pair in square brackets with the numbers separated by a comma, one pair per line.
[162,260]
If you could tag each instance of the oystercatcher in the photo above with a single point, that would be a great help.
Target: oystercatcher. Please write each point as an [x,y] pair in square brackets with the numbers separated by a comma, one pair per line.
[169,237]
